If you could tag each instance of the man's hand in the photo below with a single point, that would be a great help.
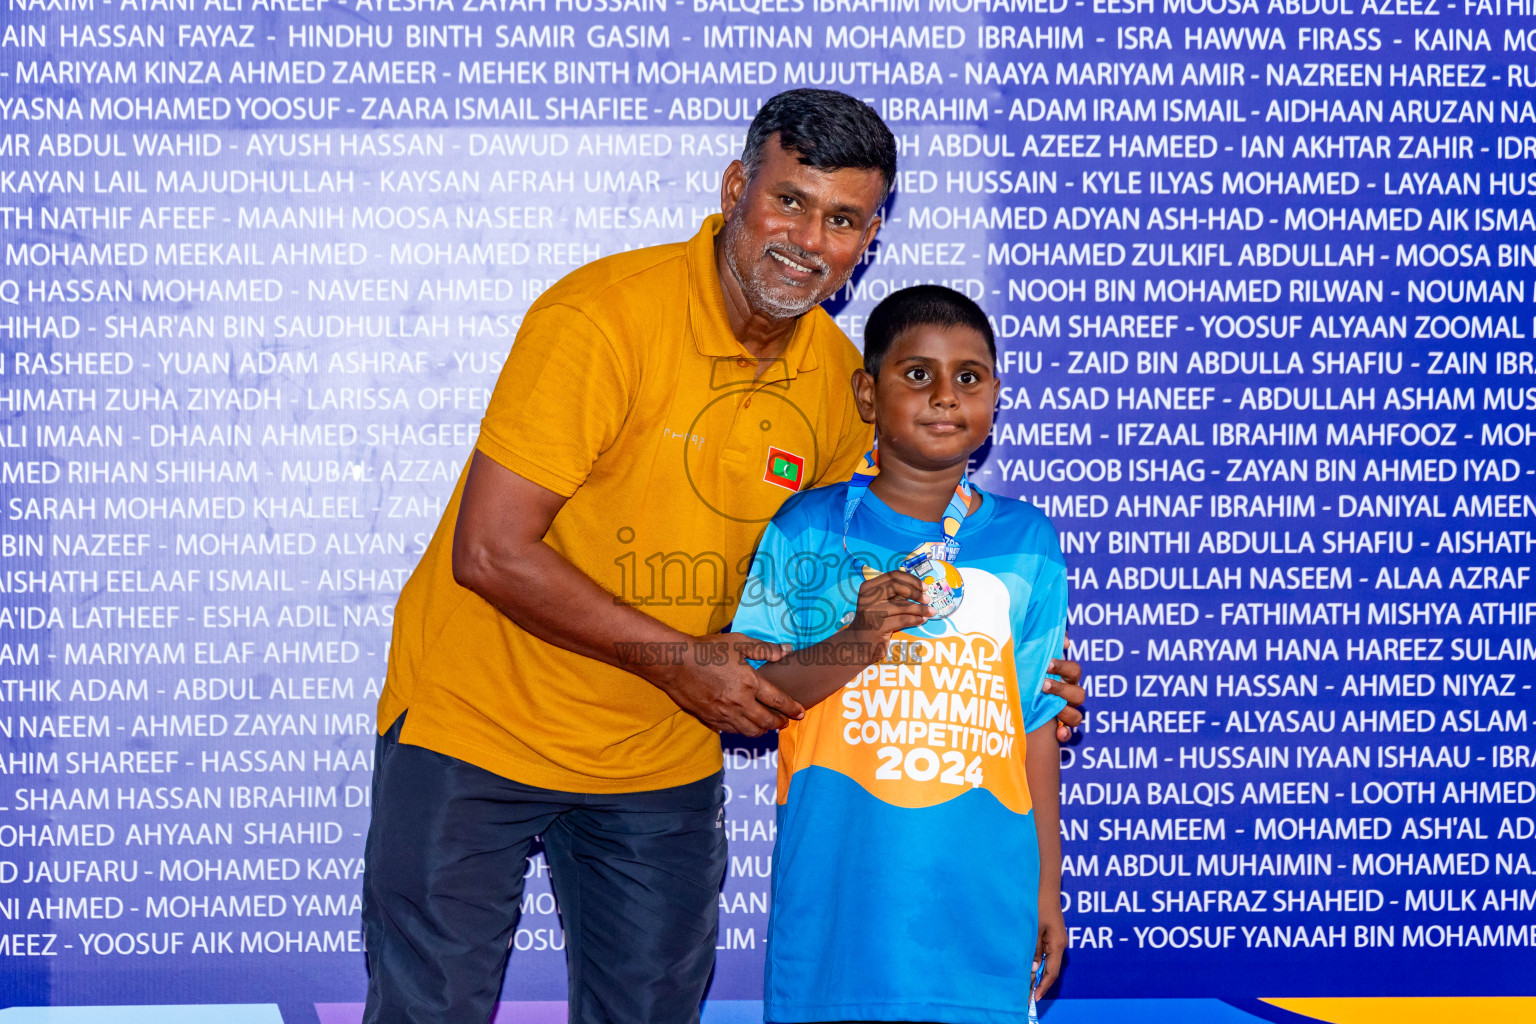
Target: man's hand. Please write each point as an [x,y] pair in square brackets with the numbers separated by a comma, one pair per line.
[887,602]
[714,684]
[1071,674]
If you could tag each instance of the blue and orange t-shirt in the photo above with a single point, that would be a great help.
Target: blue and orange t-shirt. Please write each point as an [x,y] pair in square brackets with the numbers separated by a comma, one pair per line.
[906,872]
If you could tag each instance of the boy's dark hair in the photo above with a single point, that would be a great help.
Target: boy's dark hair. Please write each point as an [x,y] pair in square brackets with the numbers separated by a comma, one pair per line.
[920,305]
[827,130]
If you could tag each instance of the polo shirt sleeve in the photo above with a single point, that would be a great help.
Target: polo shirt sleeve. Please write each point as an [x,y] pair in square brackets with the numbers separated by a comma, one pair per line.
[1038,635]
[853,441]
[560,401]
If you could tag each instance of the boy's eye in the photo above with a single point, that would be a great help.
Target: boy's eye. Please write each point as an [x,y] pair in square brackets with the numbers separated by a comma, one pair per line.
[917,374]
[969,377]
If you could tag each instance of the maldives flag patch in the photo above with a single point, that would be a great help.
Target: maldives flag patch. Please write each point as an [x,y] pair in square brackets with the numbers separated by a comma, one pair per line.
[784,468]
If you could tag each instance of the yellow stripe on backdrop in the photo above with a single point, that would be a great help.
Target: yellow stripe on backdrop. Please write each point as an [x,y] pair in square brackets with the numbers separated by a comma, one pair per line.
[1428,1010]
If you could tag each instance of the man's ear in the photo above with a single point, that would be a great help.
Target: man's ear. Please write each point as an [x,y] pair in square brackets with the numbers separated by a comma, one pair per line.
[733,183]
[869,233]
[864,394]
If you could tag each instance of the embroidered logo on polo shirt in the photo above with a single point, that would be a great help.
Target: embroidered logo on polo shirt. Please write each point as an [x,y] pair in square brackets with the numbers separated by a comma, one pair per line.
[784,469]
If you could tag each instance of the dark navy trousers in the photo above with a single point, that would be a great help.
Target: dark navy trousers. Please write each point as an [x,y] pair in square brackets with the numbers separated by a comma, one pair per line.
[636,878]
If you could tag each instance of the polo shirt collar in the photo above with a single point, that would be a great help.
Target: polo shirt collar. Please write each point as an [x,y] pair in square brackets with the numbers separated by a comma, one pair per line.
[707,320]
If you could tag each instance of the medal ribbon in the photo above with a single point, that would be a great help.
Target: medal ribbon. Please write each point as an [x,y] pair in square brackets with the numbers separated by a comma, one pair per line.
[954,513]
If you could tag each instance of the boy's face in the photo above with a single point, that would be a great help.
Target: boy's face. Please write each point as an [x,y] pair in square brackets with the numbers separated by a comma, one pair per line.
[932,404]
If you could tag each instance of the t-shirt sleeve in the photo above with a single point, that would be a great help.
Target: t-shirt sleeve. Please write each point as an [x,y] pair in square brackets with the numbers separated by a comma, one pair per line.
[786,599]
[765,612]
[1039,633]
[559,403]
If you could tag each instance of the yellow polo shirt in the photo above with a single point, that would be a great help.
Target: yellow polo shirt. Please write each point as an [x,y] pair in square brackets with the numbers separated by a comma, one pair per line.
[626,392]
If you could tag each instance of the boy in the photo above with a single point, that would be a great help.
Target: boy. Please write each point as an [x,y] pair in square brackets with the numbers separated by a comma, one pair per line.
[918,820]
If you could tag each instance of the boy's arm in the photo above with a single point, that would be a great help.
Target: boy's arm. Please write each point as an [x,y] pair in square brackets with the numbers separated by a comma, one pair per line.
[1042,767]
[1037,637]
[888,602]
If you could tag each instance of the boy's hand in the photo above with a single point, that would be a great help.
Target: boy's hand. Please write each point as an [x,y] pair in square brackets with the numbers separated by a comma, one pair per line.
[714,684]
[1050,946]
[888,602]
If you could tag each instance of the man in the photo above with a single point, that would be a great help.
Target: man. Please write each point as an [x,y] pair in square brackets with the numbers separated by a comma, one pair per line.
[556,667]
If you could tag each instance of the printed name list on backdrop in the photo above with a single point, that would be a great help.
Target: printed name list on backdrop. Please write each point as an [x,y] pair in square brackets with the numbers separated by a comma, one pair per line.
[1261,275]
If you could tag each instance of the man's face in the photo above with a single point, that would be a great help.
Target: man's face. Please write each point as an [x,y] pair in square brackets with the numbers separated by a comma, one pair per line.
[793,233]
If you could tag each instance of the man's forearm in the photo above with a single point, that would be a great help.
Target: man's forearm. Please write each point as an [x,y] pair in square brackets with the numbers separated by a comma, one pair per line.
[499,553]
[540,590]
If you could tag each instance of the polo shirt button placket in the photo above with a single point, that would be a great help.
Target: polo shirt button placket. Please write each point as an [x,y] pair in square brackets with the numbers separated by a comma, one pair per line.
[741,440]
[744,363]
